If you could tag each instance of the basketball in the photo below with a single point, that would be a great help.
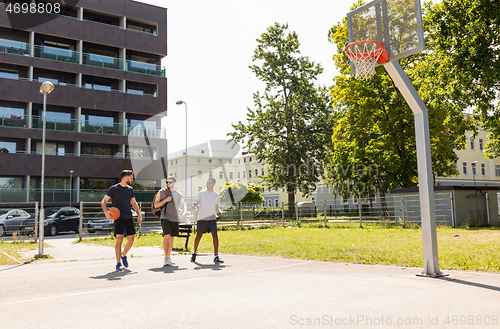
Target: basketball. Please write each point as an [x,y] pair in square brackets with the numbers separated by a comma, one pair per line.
[115,213]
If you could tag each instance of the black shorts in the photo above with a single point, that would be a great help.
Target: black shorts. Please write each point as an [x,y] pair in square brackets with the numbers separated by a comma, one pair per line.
[206,226]
[124,227]
[169,228]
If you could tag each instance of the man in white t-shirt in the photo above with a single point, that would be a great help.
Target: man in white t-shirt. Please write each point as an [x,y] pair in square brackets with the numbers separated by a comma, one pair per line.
[207,202]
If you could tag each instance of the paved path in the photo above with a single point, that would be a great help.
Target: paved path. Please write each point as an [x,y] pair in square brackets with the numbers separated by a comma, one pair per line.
[244,292]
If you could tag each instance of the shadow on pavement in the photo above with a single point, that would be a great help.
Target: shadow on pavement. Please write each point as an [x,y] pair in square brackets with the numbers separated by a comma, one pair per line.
[167,269]
[113,276]
[16,266]
[213,267]
[473,284]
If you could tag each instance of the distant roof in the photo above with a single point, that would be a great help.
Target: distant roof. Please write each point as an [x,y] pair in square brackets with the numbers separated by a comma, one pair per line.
[214,148]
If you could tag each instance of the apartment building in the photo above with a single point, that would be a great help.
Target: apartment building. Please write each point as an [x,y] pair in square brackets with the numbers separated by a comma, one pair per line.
[104,59]
[216,158]
[473,166]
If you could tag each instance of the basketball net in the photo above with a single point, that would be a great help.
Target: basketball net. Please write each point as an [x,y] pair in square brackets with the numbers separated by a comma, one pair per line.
[365,55]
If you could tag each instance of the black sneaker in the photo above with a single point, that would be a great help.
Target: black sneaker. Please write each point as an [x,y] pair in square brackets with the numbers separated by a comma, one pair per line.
[193,257]
[217,260]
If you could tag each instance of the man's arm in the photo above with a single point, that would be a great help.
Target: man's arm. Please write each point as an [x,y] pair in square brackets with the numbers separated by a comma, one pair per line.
[160,203]
[184,209]
[222,213]
[104,208]
[137,210]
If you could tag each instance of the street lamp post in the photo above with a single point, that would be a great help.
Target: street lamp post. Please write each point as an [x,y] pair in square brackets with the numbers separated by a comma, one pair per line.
[46,88]
[186,151]
[474,168]
[70,185]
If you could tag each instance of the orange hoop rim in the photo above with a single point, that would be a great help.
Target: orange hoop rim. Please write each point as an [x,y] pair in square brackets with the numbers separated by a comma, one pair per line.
[384,54]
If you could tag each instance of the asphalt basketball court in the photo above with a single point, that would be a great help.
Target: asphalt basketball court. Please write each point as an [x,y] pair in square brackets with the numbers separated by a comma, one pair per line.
[73,291]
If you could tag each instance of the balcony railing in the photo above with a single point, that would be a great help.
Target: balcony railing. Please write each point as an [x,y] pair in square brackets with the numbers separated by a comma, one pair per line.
[13,121]
[57,54]
[146,68]
[53,124]
[102,128]
[138,131]
[14,47]
[102,61]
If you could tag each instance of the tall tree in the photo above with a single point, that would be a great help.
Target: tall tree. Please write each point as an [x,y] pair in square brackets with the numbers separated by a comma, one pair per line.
[374,141]
[464,36]
[289,127]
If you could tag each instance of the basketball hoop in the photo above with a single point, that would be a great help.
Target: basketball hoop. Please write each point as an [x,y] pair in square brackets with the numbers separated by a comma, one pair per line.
[365,55]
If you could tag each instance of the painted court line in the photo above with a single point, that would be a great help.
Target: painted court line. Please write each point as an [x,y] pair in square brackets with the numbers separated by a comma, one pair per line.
[142,285]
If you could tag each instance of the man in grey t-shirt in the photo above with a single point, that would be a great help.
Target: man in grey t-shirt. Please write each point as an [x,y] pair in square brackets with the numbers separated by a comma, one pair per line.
[170,199]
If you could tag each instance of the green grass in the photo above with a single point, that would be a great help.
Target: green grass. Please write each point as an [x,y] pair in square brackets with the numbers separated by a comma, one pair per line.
[14,249]
[460,248]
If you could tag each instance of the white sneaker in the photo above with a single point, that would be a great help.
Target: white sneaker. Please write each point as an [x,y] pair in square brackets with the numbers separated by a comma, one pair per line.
[166,262]
[171,261]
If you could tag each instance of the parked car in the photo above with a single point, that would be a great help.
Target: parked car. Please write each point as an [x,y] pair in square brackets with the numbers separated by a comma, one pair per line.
[307,209]
[11,220]
[57,219]
[100,223]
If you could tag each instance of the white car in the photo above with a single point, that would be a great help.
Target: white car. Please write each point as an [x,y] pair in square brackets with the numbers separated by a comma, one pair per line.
[11,220]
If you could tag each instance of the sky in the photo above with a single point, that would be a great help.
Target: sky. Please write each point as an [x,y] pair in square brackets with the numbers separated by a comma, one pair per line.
[210,48]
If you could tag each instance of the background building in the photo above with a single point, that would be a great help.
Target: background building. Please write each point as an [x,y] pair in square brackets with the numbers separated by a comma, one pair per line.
[110,94]
[217,159]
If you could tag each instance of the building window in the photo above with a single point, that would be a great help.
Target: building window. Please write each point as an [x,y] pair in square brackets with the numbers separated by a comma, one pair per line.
[170,174]
[9,74]
[209,160]
[56,79]
[481,146]
[276,203]
[220,160]
[256,172]
[210,174]
[200,188]
[497,170]
[230,161]
[244,160]
[465,170]
[472,147]
[175,161]
[231,175]
[199,174]
[11,146]
[220,175]
[239,175]
[198,160]
[140,90]
[244,175]
[11,111]
[171,163]
[11,183]
[239,161]
[262,172]
[269,203]
[52,148]
[483,169]
[139,152]
[175,174]
[474,168]
[249,174]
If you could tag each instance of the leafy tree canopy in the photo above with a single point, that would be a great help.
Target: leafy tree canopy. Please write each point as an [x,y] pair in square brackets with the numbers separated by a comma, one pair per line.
[290,125]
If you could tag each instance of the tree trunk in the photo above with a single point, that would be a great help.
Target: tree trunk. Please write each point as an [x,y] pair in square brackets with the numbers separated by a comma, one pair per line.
[371,201]
[291,203]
